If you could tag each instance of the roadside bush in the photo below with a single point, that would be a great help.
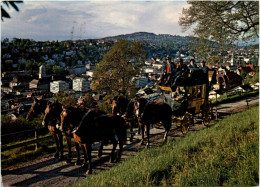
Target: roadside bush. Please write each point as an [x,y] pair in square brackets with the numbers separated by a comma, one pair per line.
[20,124]
[251,79]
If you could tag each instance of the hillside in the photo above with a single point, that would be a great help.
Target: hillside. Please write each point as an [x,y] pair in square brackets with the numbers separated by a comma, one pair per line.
[159,40]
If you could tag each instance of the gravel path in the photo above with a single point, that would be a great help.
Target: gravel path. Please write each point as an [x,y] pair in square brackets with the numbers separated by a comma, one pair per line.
[49,172]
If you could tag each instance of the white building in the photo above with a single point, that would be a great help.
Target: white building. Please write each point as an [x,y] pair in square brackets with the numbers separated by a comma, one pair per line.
[158,65]
[80,84]
[148,69]
[42,71]
[57,86]
[89,73]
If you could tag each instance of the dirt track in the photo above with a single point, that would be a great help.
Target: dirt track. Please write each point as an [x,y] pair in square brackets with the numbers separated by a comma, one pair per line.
[48,172]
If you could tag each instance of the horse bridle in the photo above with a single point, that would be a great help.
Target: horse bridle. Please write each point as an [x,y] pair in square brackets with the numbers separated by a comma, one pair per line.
[66,125]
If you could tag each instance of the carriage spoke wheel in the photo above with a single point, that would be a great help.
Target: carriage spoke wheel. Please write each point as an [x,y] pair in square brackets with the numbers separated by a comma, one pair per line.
[207,114]
[186,122]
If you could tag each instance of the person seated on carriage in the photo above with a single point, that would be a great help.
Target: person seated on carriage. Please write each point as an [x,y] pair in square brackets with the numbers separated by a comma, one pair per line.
[192,64]
[180,74]
[169,68]
[205,69]
[203,66]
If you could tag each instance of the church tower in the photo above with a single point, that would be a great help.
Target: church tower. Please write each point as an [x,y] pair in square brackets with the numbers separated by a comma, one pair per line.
[42,71]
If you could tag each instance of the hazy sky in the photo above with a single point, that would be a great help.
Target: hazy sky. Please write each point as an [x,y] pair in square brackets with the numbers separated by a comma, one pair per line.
[56,20]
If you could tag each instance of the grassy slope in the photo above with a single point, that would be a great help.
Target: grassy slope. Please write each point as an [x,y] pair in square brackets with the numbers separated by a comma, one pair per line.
[225,154]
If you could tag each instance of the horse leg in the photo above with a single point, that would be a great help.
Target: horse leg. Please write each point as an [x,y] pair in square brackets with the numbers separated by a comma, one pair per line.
[54,135]
[131,132]
[147,134]
[121,144]
[78,154]
[100,149]
[60,140]
[84,150]
[141,126]
[88,149]
[139,129]
[68,139]
[167,127]
[114,142]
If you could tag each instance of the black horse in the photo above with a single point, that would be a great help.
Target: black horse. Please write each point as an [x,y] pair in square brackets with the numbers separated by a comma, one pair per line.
[151,113]
[95,127]
[125,107]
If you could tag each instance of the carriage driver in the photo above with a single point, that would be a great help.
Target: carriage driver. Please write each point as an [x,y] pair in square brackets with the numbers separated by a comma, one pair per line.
[168,69]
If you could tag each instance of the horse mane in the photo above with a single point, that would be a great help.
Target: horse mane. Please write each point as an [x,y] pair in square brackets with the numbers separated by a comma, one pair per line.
[88,118]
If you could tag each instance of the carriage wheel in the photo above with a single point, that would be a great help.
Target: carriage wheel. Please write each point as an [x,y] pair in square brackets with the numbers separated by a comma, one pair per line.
[186,122]
[207,113]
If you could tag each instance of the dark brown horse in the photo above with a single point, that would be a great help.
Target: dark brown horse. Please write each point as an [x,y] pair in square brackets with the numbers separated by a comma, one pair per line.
[151,113]
[96,128]
[124,107]
[52,121]
[37,108]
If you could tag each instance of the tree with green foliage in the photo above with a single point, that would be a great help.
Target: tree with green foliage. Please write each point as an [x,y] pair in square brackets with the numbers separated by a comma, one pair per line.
[57,69]
[222,21]
[89,102]
[65,98]
[32,67]
[116,70]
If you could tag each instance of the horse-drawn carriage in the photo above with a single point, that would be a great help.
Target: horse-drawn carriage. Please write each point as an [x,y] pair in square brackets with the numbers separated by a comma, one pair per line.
[187,99]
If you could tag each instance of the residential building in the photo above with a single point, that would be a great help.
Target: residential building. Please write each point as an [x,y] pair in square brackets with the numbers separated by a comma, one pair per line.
[89,73]
[57,86]
[81,84]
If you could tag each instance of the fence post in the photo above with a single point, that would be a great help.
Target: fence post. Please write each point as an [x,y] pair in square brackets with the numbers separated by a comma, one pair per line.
[216,106]
[247,103]
[36,138]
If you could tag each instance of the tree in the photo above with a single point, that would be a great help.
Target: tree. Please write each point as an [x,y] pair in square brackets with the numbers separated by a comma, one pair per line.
[115,71]
[8,3]
[89,102]
[222,21]
[65,98]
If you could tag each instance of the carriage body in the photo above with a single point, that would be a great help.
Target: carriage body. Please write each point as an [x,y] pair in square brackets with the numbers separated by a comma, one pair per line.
[196,97]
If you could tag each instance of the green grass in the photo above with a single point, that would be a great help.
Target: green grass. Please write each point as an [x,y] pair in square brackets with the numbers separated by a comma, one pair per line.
[224,154]
[27,153]
[233,97]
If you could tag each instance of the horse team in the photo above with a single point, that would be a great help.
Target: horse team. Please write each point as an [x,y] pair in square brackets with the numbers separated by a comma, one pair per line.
[87,126]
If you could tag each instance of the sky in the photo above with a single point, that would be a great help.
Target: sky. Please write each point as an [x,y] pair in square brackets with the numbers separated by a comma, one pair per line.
[65,20]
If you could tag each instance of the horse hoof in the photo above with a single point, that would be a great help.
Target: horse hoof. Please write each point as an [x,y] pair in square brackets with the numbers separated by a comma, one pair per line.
[141,143]
[78,163]
[111,160]
[56,155]
[84,165]
[88,172]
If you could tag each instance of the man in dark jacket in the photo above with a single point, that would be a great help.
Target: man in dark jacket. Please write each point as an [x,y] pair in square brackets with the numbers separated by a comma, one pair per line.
[192,64]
